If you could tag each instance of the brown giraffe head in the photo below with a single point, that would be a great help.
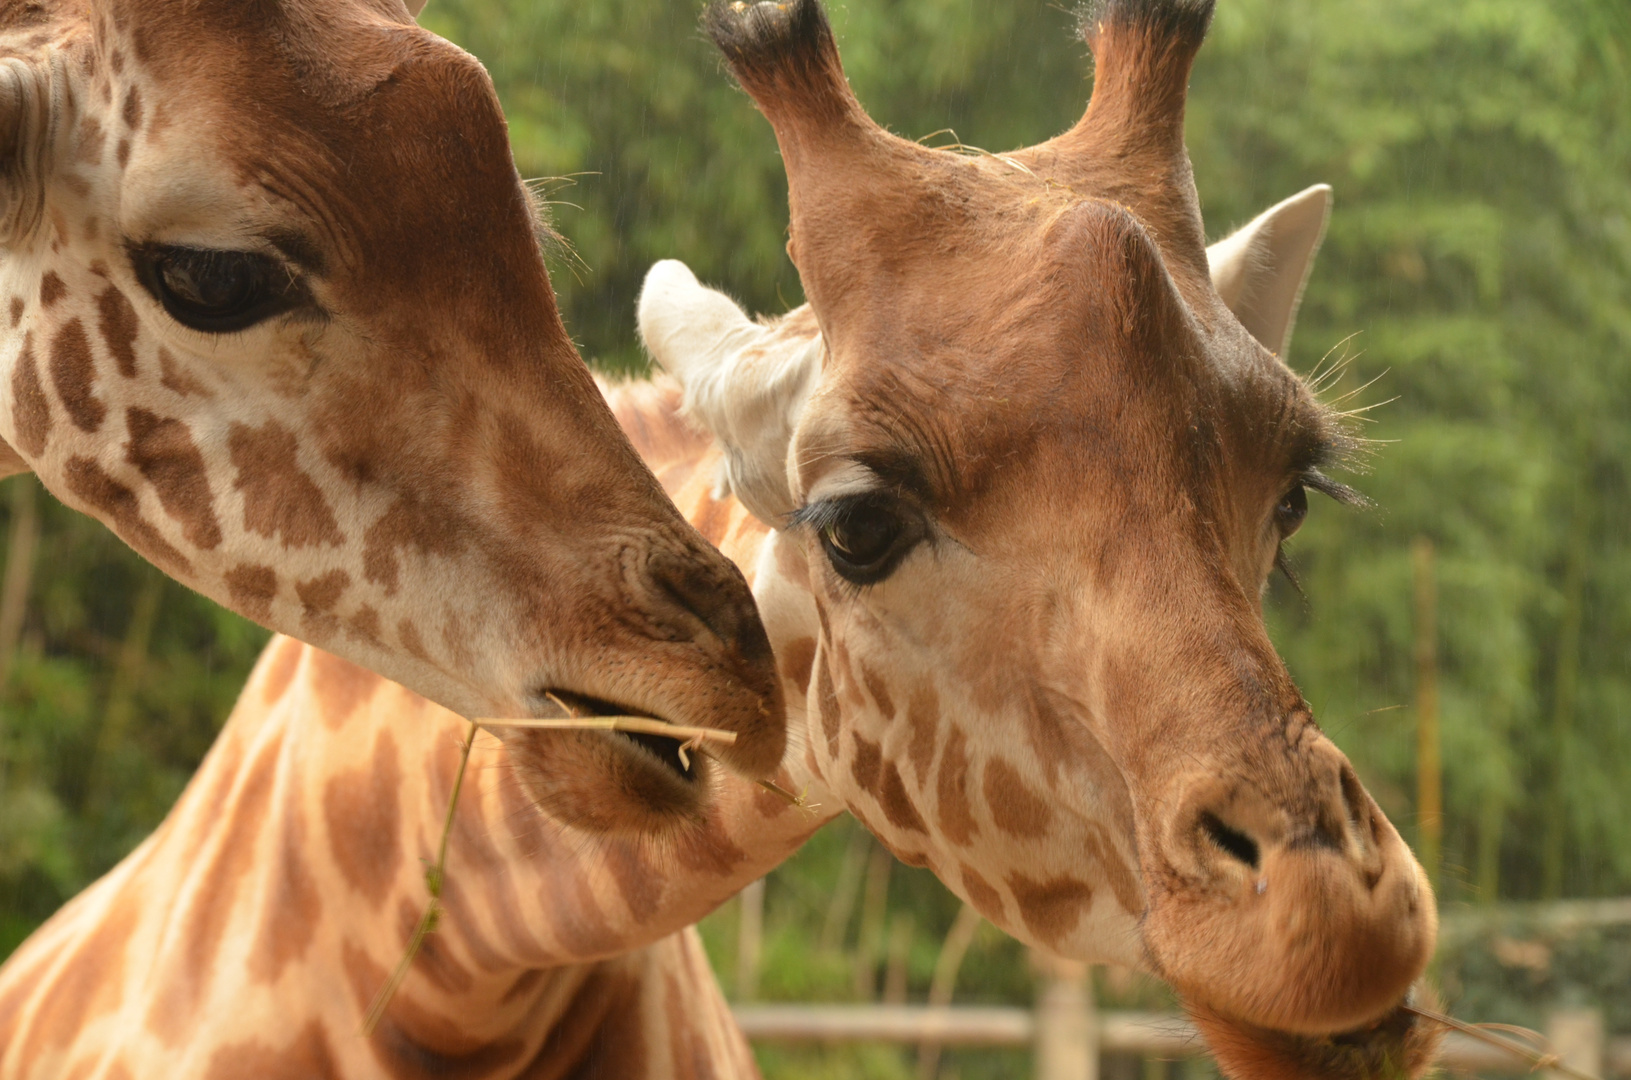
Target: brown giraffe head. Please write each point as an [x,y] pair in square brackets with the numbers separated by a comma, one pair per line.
[275,311]
[1029,482]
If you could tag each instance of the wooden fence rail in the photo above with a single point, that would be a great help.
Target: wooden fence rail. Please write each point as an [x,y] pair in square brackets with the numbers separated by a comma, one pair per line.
[1159,1035]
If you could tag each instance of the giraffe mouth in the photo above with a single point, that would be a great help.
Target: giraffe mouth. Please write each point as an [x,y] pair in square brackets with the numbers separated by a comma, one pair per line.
[667,753]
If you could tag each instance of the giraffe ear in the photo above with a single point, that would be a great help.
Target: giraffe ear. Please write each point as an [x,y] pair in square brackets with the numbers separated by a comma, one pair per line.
[415,7]
[746,382]
[33,101]
[1260,270]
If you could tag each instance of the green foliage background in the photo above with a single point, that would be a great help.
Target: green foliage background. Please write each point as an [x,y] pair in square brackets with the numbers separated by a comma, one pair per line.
[1478,268]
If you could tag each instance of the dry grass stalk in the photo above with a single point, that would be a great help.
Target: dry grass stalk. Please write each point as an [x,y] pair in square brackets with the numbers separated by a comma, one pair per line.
[435,874]
[1536,1059]
[689,738]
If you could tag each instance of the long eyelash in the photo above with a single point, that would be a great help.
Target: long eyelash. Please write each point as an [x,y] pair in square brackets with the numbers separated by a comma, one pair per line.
[1282,563]
[818,515]
[1334,489]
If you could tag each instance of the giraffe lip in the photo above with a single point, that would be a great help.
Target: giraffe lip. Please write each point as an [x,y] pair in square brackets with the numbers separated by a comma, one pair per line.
[665,751]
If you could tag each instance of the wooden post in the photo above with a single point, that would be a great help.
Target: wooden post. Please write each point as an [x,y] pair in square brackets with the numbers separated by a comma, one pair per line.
[1576,1036]
[1067,1035]
[750,930]
[1565,692]
[1429,771]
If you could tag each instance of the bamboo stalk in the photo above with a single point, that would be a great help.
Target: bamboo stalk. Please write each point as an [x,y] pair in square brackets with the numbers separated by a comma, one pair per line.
[944,981]
[24,538]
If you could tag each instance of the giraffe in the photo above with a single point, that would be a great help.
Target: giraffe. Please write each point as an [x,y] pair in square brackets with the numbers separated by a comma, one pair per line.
[276,313]
[1011,487]
[248,936]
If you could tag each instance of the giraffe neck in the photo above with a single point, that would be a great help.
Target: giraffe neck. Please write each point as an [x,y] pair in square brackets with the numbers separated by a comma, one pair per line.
[278,895]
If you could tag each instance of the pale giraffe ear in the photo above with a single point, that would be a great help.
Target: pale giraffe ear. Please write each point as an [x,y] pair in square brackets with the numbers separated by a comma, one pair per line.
[1260,270]
[415,7]
[746,382]
[34,103]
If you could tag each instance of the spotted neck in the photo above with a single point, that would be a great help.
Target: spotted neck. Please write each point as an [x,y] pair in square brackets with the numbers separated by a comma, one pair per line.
[278,895]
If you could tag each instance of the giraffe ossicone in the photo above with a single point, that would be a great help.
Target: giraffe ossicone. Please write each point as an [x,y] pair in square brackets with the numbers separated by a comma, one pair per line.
[274,310]
[1027,489]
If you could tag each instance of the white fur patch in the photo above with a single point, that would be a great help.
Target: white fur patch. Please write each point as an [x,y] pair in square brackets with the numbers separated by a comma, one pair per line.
[746,382]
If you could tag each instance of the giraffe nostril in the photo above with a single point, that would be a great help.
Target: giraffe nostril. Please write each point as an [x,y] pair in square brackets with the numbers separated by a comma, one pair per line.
[1365,827]
[1232,841]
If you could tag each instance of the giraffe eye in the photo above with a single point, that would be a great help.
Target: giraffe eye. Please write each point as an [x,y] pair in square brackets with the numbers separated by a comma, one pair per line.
[1291,511]
[217,292]
[865,537]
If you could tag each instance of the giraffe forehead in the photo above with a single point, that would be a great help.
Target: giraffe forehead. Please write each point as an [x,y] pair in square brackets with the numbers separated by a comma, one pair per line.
[350,135]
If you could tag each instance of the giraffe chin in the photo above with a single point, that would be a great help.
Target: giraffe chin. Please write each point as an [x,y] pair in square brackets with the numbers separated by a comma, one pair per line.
[1399,1044]
[610,782]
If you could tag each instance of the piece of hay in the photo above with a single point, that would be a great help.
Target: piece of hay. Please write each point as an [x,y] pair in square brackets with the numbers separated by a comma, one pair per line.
[435,874]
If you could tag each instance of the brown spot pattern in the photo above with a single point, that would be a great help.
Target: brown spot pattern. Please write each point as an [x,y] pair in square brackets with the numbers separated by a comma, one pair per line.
[163,451]
[1052,908]
[688,1051]
[123,153]
[132,111]
[986,899]
[434,960]
[280,669]
[252,589]
[308,1057]
[922,720]
[279,498]
[178,379]
[796,660]
[408,633]
[340,686]
[827,705]
[897,805]
[881,780]
[52,288]
[866,764]
[30,412]
[1116,872]
[293,906]
[117,321]
[92,139]
[317,600]
[956,815]
[183,984]
[73,371]
[87,985]
[361,809]
[406,524]
[118,507]
[602,1033]
[1015,808]
[363,625]
[17,308]
[637,880]
[879,691]
[412,1041]
[707,849]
